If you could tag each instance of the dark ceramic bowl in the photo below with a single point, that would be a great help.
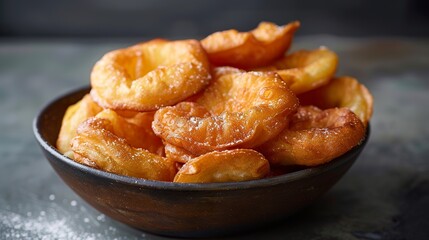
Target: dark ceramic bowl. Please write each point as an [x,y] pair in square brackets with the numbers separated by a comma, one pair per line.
[186,210]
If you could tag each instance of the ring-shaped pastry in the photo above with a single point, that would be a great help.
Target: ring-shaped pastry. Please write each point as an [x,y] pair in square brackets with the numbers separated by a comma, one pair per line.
[255,48]
[150,75]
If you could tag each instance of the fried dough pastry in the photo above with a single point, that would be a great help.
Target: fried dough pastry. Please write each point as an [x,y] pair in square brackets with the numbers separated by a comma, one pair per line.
[235,106]
[305,70]
[150,75]
[178,154]
[75,115]
[226,166]
[136,129]
[315,137]
[342,92]
[256,48]
[237,110]
[96,145]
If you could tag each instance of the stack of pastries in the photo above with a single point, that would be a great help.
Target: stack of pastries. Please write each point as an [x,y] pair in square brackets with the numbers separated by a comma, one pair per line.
[234,106]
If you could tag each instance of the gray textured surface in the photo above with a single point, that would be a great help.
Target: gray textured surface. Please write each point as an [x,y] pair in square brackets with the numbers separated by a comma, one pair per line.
[384,196]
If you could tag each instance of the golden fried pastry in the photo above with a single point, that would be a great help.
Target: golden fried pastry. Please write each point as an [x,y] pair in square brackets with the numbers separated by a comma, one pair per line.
[96,145]
[226,166]
[136,129]
[75,115]
[237,110]
[342,92]
[305,70]
[178,154]
[256,48]
[164,98]
[150,75]
[315,137]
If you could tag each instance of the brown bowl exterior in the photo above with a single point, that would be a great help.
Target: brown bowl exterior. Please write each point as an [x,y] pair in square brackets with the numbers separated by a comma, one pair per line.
[186,210]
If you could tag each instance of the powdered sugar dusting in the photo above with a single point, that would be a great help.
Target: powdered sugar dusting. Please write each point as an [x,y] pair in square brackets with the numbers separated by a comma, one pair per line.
[34,228]
[56,218]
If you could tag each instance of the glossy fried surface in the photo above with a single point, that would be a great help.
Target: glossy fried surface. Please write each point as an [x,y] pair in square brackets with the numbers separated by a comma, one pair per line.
[198,107]
[305,70]
[256,48]
[136,129]
[226,166]
[150,75]
[315,137]
[342,92]
[96,145]
[75,115]
[237,110]
[177,154]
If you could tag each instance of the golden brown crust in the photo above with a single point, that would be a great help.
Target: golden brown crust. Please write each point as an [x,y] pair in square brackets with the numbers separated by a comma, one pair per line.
[150,75]
[136,129]
[342,92]
[75,115]
[305,70]
[315,137]
[238,110]
[96,144]
[178,154]
[226,166]
[256,48]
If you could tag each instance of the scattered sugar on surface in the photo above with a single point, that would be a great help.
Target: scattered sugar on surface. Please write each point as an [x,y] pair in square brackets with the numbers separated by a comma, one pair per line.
[52,197]
[101,217]
[53,218]
[20,227]
[15,226]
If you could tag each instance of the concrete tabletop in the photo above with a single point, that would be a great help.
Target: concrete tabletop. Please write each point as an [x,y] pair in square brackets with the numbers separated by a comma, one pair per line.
[385,195]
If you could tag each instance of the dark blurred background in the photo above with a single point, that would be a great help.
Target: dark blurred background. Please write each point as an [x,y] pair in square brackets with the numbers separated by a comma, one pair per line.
[197,18]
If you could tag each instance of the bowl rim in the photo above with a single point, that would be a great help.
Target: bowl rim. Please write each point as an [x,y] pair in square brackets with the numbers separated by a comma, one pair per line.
[152,184]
